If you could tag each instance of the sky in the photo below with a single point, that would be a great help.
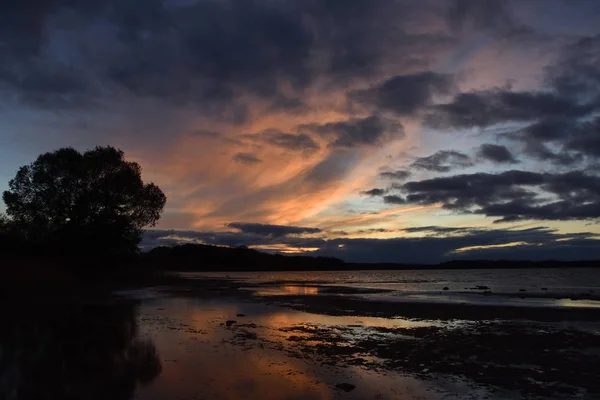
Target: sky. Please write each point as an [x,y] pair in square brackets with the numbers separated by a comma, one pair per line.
[373,131]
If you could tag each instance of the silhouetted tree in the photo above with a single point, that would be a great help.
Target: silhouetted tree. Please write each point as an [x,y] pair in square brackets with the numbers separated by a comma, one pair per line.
[4,223]
[92,202]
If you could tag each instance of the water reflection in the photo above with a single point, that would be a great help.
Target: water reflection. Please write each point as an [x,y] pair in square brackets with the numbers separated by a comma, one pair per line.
[285,290]
[74,352]
[220,349]
[301,290]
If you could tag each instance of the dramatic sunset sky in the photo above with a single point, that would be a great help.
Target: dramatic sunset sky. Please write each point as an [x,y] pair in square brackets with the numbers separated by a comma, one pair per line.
[370,130]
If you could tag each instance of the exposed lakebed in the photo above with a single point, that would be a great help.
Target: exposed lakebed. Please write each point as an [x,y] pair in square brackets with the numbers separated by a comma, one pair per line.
[238,338]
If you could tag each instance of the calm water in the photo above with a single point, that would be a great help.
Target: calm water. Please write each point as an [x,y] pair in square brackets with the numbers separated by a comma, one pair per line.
[531,287]
[506,280]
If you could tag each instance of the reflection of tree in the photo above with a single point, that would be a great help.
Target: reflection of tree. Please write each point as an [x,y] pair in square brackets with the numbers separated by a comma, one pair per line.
[75,352]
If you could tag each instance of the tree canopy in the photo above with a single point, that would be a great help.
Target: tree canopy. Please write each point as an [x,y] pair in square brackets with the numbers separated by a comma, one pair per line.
[93,201]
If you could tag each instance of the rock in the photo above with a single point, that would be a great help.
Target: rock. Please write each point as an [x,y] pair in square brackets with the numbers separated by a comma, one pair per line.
[240,315]
[522,290]
[346,387]
[446,288]
[544,288]
[230,322]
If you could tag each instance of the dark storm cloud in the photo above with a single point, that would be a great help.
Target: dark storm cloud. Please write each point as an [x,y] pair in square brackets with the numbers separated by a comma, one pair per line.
[542,152]
[34,65]
[575,139]
[22,22]
[547,130]
[443,161]
[272,230]
[44,87]
[559,125]
[496,153]
[393,199]
[575,76]
[209,52]
[586,138]
[218,47]
[513,195]
[246,158]
[355,132]
[480,15]
[289,141]
[404,94]
[398,175]
[490,107]
[578,72]
[374,192]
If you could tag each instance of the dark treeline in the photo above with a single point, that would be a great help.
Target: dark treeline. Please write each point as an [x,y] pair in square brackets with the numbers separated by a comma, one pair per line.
[198,257]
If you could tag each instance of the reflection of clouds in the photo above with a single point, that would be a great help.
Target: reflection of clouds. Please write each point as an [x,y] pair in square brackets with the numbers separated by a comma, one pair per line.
[207,364]
[205,359]
[301,290]
[288,290]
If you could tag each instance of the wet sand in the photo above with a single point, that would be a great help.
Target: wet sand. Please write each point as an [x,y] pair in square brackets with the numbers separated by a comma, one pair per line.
[228,339]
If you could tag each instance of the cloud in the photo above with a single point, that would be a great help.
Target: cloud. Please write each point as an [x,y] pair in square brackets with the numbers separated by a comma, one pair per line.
[443,161]
[578,71]
[288,141]
[480,15]
[586,138]
[246,158]
[209,53]
[573,140]
[271,230]
[404,94]
[374,192]
[513,195]
[372,130]
[495,106]
[496,153]
[394,199]
[399,174]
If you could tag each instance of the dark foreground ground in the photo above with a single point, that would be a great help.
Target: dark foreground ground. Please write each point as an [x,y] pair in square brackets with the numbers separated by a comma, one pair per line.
[213,339]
